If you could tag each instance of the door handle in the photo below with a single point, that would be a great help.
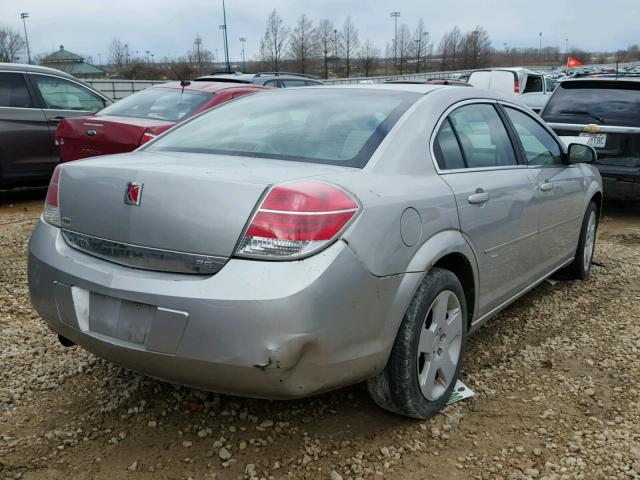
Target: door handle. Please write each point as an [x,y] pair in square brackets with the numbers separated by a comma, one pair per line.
[546,186]
[55,119]
[478,198]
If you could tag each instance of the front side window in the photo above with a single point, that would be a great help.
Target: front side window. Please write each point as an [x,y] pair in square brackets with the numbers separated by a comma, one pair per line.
[540,147]
[332,126]
[160,103]
[483,137]
[13,91]
[60,94]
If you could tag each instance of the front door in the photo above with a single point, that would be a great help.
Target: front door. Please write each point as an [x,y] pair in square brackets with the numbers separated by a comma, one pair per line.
[561,190]
[497,203]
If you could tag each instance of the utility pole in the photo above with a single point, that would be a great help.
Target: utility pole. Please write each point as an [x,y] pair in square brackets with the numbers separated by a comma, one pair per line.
[223,27]
[395,16]
[24,16]
[244,64]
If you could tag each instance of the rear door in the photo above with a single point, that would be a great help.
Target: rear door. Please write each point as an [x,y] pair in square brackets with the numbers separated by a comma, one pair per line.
[497,203]
[25,145]
[560,186]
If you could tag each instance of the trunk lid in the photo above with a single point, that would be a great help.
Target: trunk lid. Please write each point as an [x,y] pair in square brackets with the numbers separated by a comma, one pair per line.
[84,137]
[190,203]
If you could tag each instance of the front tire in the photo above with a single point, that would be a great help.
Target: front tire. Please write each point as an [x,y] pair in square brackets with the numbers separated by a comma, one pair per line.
[581,266]
[425,361]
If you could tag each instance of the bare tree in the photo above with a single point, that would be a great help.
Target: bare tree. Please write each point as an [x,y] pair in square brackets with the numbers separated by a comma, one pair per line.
[350,42]
[326,40]
[274,41]
[403,47]
[199,57]
[369,55]
[303,43]
[476,48]
[450,47]
[118,52]
[423,43]
[11,45]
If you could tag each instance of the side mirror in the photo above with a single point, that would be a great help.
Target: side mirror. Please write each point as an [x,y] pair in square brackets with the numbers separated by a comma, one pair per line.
[579,153]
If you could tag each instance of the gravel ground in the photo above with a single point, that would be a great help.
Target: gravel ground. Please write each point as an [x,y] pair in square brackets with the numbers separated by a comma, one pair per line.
[555,375]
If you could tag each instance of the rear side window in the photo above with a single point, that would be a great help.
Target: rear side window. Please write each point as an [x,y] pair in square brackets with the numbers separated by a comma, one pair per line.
[534,84]
[483,137]
[13,91]
[540,147]
[447,149]
[328,126]
[607,100]
[294,83]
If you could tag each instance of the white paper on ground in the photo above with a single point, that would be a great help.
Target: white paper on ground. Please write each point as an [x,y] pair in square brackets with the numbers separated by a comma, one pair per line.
[460,392]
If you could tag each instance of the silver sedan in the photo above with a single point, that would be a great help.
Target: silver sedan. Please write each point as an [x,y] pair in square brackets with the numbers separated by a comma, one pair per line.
[295,241]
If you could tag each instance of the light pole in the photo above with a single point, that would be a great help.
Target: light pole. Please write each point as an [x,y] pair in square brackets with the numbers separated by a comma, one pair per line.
[148,59]
[540,49]
[100,59]
[24,16]
[566,46]
[223,27]
[335,50]
[244,64]
[395,16]
[198,42]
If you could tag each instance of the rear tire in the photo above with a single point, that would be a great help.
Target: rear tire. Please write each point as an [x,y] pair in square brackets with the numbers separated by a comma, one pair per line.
[426,357]
[581,266]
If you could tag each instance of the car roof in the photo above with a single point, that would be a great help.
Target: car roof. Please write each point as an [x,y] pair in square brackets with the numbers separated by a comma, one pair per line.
[603,80]
[23,67]
[509,69]
[207,86]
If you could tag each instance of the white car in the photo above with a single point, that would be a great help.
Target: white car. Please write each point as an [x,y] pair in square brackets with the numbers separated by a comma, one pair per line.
[533,89]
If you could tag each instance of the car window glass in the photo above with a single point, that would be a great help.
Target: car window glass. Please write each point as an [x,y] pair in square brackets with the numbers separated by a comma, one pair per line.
[550,84]
[271,83]
[13,91]
[540,147]
[447,149]
[534,84]
[60,94]
[483,137]
[159,103]
[325,126]
[294,83]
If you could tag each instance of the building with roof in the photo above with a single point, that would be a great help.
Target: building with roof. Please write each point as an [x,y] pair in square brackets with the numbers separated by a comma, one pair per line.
[72,64]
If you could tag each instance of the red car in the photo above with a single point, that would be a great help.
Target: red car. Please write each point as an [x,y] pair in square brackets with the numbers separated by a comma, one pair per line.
[136,119]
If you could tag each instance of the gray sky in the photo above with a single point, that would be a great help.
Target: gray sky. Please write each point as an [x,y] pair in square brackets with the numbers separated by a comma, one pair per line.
[168,27]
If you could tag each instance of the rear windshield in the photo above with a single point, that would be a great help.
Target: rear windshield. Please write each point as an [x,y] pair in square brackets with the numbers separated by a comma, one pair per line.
[330,126]
[602,101]
[158,103]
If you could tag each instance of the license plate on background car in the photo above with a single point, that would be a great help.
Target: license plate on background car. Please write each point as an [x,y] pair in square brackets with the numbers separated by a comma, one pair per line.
[598,140]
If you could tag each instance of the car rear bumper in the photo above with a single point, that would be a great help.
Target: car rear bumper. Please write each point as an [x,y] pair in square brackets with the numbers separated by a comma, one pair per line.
[256,328]
[620,183]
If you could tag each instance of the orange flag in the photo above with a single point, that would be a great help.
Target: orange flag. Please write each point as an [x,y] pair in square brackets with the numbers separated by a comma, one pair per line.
[573,62]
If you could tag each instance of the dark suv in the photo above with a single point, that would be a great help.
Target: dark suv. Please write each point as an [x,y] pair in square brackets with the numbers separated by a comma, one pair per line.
[607,113]
[32,102]
[268,79]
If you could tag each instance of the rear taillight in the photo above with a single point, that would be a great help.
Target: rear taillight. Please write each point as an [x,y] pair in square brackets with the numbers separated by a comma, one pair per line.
[516,87]
[297,219]
[51,212]
[146,137]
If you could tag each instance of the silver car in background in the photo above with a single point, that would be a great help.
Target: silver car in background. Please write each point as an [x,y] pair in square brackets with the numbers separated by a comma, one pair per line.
[295,241]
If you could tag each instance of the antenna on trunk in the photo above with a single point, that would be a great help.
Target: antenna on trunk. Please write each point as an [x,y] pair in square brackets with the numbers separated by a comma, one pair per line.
[183,83]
